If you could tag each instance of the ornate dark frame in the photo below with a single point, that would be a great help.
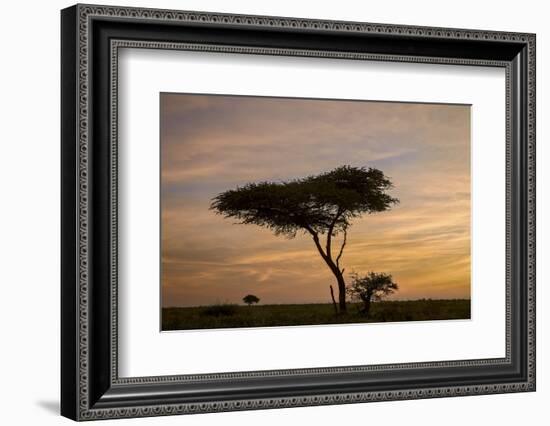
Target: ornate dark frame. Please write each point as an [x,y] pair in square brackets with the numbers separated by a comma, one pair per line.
[91,37]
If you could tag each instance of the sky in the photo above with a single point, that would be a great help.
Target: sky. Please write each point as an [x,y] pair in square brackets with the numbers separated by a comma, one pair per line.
[213,143]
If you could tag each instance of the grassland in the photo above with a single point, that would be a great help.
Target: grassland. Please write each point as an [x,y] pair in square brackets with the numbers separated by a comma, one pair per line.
[234,316]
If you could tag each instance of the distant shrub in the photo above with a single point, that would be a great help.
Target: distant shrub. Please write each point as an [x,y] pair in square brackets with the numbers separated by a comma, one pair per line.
[220,310]
[249,299]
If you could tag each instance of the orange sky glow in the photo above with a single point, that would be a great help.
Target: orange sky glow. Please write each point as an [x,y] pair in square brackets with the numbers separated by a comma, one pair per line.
[212,143]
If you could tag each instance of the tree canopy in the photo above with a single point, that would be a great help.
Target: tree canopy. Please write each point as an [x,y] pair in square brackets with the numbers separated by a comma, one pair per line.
[374,285]
[316,204]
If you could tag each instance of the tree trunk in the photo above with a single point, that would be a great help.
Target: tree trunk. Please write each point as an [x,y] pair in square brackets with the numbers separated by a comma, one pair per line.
[341,291]
[366,304]
[333,300]
[335,270]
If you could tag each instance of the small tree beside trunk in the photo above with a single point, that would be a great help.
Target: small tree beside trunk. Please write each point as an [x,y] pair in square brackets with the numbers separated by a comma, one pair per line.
[371,287]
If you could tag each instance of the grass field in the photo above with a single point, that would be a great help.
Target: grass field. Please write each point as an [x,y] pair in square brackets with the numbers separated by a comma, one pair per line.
[232,316]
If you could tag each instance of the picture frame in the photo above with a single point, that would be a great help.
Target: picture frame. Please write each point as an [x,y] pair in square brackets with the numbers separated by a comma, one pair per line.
[90,384]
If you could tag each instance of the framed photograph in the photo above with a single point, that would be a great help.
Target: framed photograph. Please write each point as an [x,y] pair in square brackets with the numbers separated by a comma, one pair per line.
[263,212]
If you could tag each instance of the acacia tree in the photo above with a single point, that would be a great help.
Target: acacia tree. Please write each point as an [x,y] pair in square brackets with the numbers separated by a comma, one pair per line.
[373,286]
[320,205]
[249,299]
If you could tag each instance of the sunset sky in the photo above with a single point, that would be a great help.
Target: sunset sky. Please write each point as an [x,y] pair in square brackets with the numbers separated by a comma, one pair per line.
[210,144]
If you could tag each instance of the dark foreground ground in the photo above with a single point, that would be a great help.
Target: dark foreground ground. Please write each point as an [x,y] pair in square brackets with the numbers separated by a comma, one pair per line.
[231,316]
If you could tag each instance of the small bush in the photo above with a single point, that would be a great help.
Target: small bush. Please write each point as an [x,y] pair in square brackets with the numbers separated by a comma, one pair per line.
[251,299]
[220,310]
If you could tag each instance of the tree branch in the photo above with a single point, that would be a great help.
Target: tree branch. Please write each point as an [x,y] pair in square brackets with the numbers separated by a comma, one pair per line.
[315,236]
[342,249]
[328,260]
[329,232]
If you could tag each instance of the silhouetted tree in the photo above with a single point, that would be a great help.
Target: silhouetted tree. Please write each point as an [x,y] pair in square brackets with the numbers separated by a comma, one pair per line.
[250,299]
[373,286]
[319,205]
